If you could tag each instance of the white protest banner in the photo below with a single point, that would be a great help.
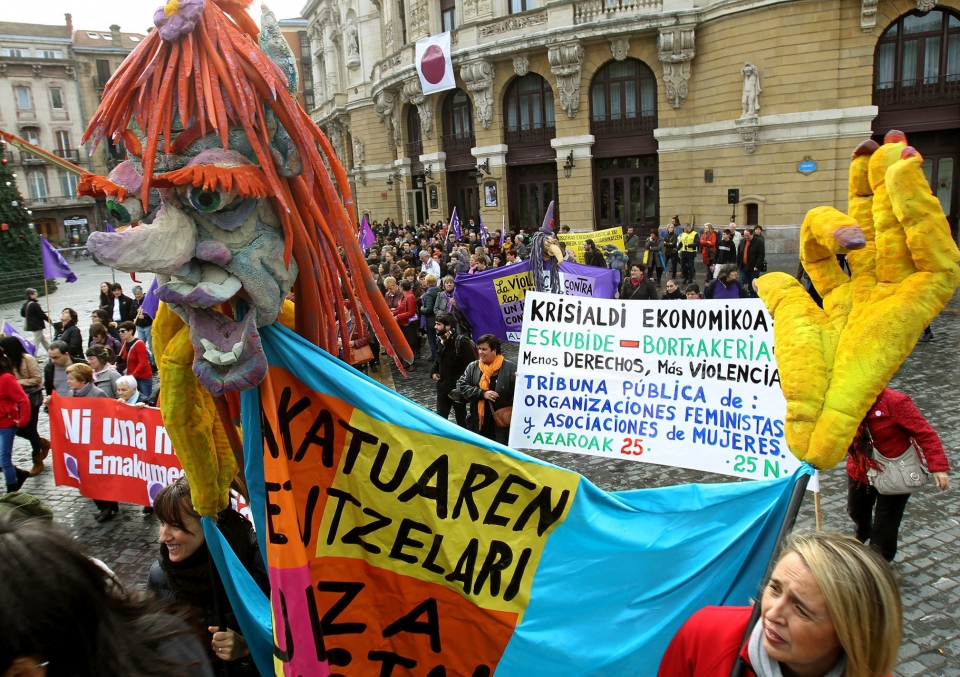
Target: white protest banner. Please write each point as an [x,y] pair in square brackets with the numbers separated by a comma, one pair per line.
[692,384]
[600,238]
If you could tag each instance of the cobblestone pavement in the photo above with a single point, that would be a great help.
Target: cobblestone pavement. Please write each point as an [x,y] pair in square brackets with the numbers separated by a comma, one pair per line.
[928,565]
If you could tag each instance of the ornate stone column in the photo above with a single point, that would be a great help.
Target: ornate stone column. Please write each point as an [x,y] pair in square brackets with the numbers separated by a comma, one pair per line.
[676,49]
[387,110]
[413,93]
[565,63]
[478,77]
[330,57]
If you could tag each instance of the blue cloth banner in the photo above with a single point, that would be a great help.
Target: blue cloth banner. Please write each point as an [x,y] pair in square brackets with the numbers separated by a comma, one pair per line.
[54,265]
[10,330]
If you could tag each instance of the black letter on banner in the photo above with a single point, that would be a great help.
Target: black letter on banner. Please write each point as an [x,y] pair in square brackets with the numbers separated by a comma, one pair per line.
[430,563]
[498,558]
[285,414]
[548,515]
[273,510]
[359,437]
[514,587]
[403,465]
[325,420]
[390,660]
[284,656]
[464,569]
[266,432]
[468,489]
[440,470]
[403,539]
[342,497]
[409,623]
[352,537]
[504,496]
[311,506]
[315,624]
[481,671]
[438,671]
[350,592]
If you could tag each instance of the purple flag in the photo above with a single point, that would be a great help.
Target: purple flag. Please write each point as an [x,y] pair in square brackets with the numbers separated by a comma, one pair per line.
[54,265]
[110,228]
[483,229]
[492,301]
[455,224]
[150,301]
[547,227]
[9,330]
[367,238]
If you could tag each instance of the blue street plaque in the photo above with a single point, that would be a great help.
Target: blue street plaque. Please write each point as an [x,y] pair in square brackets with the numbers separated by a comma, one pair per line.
[807,167]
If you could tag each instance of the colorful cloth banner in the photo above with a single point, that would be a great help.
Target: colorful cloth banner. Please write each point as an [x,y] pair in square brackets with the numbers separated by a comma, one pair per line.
[601,238]
[409,542]
[10,330]
[367,238]
[111,451]
[434,65]
[483,229]
[54,265]
[151,303]
[492,301]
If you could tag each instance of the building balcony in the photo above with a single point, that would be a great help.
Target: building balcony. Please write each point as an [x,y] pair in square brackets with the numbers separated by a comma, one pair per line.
[456,144]
[415,149]
[610,125]
[591,11]
[910,92]
[30,159]
[58,201]
[70,154]
[529,135]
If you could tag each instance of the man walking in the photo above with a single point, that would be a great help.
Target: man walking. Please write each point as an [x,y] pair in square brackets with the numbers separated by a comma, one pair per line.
[35,319]
[454,354]
[632,245]
[670,246]
[750,255]
[55,371]
[592,256]
[134,353]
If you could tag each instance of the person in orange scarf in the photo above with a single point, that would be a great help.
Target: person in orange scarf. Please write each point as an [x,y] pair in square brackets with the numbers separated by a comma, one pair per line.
[488,384]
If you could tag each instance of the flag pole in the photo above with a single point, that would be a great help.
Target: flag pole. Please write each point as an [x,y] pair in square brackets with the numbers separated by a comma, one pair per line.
[46,295]
[789,519]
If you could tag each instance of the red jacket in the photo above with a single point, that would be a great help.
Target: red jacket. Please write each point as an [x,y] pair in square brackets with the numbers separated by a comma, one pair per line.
[14,403]
[407,308]
[708,644]
[893,420]
[134,353]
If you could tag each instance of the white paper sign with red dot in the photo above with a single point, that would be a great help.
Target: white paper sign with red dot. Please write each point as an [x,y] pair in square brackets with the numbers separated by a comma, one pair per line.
[434,64]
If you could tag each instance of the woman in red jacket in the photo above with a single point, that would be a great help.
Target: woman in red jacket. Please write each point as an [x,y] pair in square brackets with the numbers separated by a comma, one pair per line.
[134,354]
[832,607]
[892,425]
[708,249]
[14,413]
[407,317]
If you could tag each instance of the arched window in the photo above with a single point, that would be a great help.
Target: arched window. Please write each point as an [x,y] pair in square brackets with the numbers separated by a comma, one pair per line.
[918,59]
[623,99]
[458,134]
[414,136]
[529,111]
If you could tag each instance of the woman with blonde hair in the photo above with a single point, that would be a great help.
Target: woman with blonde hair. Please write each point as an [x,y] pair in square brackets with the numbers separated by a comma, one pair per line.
[832,607]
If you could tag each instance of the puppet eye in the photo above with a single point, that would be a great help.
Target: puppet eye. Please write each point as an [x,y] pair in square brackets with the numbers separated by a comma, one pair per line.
[207,200]
[128,211]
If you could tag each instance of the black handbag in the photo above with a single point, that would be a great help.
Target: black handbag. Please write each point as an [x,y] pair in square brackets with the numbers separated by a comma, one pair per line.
[35,394]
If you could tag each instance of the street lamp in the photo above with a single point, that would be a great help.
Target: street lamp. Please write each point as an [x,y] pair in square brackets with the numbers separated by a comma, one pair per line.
[428,171]
[479,178]
[419,182]
[389,183]
[484,166]
[568,166]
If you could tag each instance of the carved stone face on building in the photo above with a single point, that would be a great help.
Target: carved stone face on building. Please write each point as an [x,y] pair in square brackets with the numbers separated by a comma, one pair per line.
[216,245]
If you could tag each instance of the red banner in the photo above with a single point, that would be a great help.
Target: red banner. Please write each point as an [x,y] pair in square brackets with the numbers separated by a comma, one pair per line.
[111,451]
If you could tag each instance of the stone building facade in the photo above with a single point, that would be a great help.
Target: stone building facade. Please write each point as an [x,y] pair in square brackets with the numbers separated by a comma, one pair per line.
[632,111]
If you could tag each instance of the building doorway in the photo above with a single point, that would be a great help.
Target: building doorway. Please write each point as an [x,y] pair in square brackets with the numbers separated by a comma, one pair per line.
[627,192]
[464,194]
[532,188]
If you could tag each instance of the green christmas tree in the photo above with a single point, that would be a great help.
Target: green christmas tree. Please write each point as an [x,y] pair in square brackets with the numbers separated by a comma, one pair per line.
[20,263]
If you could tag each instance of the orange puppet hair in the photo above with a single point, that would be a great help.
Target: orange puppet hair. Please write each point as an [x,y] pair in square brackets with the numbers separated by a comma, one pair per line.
[206,69]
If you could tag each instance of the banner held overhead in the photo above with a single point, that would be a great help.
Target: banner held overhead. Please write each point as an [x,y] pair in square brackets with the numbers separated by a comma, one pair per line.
[434,65]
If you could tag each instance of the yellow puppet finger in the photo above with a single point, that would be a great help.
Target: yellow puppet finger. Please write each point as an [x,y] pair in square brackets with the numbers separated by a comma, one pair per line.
[863,261]
[894,263]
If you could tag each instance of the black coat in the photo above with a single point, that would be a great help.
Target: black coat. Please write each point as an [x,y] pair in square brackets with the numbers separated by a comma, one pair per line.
[454,355]
[645,291]
[35,318]
[726,252]
[73,338]
[755,254]
[128,308]
[144,321]
[504,384]
[594,258]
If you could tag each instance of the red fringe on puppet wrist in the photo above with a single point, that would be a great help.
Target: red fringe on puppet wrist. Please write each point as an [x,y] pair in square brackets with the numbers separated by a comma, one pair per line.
[246,180]
[92,185]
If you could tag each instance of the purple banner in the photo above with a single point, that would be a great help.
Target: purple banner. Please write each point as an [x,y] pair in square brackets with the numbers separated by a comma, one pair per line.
[455,224]
[492,301]
[10,330]
[54,265]
[367,238]
[150,301]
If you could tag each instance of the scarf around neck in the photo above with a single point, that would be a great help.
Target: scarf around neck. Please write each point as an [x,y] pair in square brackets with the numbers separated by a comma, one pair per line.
[487,371]
[765,666]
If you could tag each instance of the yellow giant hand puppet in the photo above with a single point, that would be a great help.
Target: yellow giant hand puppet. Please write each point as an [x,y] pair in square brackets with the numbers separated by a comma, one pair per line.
[834,362]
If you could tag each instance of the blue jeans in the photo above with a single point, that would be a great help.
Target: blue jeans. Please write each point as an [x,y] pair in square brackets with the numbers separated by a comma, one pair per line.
[6,454]
[145,386]
[747,276]
[145,335]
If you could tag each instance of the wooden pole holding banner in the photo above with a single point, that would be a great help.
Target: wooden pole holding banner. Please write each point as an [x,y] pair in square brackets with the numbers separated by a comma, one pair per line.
[789,519]
[46,295]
